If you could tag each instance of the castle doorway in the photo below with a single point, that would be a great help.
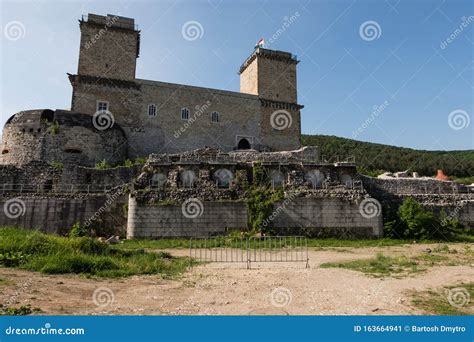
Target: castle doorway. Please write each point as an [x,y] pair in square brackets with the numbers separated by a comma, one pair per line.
[243,144]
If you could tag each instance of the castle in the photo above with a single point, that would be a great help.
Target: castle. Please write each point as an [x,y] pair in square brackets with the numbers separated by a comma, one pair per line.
[130,117]
[199,153]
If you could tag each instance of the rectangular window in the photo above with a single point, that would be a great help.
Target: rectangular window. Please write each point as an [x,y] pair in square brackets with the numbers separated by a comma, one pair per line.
[151,110]
[102,106]
[214,117]
[184,114]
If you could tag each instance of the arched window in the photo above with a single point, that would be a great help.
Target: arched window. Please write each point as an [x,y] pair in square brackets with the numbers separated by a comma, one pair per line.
[184,114]
[214,117]
[151,110]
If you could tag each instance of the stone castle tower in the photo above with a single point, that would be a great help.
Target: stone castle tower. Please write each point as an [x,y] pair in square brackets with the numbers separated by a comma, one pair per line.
[263,116]
[109,47]
[152,116]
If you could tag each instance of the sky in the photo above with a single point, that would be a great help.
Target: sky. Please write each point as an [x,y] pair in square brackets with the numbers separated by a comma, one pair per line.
[397,72]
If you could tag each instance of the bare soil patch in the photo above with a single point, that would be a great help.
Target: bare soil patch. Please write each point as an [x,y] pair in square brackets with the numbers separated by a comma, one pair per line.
[222,289]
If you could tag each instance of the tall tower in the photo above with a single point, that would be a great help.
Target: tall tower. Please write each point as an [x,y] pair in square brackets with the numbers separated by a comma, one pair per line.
[271,75]
[110,46]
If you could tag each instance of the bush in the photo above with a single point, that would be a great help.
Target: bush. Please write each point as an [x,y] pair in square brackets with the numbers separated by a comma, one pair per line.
[414,222]
[78,230]
[260,201]
[102,165]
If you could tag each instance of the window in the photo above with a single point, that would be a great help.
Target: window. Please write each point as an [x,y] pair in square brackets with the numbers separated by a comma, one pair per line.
[102,106]
[151,110]
[214,117]
[184,114]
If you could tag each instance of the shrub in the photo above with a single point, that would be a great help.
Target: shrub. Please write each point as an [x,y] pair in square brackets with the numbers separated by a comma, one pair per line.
[78,230]
[56,165]
[260,201]
[414,222]
[102,165]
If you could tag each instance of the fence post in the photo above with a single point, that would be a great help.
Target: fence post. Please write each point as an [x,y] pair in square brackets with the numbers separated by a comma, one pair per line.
[248,253]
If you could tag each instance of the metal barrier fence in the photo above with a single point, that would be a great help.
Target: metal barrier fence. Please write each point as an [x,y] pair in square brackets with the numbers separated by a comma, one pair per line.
[249,250]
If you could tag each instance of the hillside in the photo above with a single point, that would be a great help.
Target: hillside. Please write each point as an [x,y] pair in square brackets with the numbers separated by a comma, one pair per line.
[374,158]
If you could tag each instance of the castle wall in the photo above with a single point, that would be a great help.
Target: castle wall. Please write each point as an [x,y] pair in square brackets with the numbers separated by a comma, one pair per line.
[158,221]
[57,215]
[107,51]
[432,194]
[412,186]
[277,80]
[31,138]
[324,217]
[316,217]
[239,115]
[281,128]
[22,144]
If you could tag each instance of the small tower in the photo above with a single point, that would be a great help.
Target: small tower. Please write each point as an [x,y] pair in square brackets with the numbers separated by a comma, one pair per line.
[271,75]
[110,46]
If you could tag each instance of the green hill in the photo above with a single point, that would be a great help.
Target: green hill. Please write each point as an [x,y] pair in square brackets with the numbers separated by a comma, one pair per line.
[374,159]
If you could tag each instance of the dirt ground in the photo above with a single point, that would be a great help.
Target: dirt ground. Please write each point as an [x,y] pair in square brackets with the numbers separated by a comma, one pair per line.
[223,289]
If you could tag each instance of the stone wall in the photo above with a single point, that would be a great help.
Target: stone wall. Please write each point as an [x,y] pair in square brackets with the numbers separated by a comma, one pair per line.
[433,194]
[270,74]
[315,217]
[324,217]
[108,49]
[65,137]
[411,186]
[57,215]
[158,221]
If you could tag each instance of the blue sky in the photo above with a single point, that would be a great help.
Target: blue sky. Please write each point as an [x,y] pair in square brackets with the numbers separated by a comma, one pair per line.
[402,62]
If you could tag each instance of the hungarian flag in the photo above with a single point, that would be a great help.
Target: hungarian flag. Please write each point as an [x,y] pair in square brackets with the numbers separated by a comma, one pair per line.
[260,43]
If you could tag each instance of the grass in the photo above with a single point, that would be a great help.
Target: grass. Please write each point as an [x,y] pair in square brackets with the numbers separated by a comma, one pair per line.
[379,266]
[23,310]
[35,251]
[4,281]
[436,302]
[400,266]
[235,242]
